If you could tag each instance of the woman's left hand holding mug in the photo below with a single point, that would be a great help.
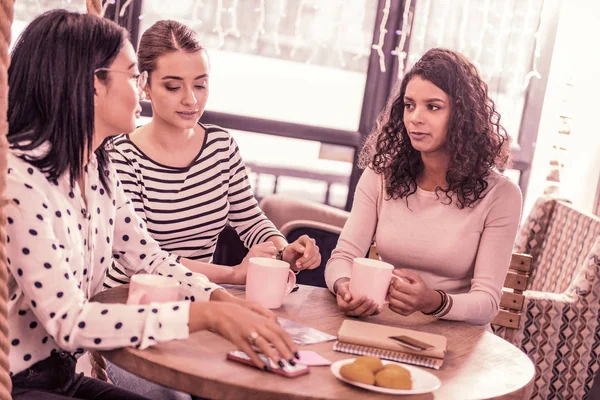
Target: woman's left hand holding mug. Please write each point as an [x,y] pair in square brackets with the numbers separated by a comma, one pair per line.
[408,293]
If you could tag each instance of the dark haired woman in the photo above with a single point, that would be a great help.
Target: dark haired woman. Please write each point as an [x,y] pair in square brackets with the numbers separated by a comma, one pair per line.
[187,180]
[432,198]
[73,83]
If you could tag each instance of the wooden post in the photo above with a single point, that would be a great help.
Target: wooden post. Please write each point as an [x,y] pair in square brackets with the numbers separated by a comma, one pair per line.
[94,7]
[6,19]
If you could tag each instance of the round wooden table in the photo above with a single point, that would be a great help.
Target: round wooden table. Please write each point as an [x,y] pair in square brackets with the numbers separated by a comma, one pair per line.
[478,364]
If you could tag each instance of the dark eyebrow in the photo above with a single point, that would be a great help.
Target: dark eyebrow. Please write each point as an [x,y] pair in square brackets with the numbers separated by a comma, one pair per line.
[178,78]
[434,99]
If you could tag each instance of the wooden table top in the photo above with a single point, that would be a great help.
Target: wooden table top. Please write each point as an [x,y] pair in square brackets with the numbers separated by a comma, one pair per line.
[478,364]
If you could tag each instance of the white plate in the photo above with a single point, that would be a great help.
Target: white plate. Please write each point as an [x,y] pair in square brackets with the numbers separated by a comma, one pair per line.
[422,381]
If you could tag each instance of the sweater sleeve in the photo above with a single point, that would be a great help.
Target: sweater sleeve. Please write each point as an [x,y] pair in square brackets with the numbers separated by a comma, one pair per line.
[245,216]
[40,266]
[357,235]
[480,305]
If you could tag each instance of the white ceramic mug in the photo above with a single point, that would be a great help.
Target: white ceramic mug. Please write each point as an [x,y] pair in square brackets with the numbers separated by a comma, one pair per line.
[146,289]
[371,278]
[268,281]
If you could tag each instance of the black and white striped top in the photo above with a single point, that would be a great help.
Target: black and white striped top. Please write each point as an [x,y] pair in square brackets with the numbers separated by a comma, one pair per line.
[186,209]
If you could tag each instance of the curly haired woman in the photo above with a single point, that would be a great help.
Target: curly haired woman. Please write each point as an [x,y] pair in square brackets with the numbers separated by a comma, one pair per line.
[432,198]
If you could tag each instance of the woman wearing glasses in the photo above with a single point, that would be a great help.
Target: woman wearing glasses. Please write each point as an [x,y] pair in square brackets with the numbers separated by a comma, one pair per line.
[74,83]
[186,179]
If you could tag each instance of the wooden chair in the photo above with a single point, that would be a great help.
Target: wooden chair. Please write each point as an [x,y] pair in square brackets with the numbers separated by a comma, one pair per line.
[559,326]
[507,321]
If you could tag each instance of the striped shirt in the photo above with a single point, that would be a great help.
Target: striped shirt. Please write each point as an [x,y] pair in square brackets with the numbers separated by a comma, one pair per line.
[185,209]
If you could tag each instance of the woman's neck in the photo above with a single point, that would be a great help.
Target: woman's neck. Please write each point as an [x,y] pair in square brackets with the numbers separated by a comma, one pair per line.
[435,167]
[167,136]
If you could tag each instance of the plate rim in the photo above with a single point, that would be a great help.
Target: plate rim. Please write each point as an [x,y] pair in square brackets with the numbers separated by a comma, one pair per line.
[380,389]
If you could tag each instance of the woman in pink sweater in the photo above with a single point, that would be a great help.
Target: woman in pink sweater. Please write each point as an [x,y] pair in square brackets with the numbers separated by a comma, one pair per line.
[432,198]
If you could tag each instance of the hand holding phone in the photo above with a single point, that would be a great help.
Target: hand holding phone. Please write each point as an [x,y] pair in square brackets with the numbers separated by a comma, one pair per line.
[288,370]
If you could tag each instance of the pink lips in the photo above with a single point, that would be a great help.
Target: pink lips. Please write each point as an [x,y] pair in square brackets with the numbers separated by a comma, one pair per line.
[187,114]
[418,135]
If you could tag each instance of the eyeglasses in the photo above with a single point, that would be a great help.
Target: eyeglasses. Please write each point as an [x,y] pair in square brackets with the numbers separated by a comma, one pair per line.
[140,79]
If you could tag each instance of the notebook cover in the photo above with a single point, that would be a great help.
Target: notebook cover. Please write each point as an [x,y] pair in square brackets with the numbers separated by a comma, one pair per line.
[376,336]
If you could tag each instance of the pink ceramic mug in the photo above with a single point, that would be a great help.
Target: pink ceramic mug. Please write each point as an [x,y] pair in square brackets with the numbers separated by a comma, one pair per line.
[268,281]
[146,289]
[371,278]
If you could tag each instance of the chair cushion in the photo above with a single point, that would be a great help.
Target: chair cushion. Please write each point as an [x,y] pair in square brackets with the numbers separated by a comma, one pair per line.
[569,237]
[281,209]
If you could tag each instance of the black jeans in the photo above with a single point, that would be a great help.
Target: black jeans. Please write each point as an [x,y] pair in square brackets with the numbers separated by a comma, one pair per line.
[55,378]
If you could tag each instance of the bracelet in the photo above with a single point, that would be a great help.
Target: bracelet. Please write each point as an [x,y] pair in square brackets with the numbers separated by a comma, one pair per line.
[443,303]
[279,255]
[446,308]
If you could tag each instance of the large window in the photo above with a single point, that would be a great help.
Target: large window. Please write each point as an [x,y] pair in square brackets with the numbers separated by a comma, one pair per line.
[498,36]
[299,83]
[289,60]
[26,10]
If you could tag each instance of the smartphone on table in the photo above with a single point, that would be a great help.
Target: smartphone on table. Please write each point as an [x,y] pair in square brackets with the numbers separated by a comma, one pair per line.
[288,370]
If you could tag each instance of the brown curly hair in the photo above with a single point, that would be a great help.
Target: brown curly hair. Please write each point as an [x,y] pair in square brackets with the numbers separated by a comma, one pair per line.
[476,141]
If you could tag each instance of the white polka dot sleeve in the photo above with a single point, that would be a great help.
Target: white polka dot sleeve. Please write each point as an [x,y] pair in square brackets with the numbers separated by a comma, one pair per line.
[50,283]
[138,252]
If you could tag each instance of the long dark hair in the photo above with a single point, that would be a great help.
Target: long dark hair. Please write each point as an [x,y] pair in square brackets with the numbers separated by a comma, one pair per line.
[476,141]
[163,37]
[51,95]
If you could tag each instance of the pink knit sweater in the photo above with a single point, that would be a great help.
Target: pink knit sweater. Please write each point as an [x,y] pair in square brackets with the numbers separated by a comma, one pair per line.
[463,252]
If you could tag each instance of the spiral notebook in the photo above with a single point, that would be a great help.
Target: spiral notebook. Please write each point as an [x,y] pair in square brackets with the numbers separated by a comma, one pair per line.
[362,338]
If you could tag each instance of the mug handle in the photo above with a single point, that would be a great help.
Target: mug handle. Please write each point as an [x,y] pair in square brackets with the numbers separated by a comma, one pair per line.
[291,282]
[136,297]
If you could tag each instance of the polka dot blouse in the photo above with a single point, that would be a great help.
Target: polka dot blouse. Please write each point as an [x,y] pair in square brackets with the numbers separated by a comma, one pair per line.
[59,249]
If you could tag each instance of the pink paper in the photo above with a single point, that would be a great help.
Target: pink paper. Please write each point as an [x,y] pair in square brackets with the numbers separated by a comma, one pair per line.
[311,358]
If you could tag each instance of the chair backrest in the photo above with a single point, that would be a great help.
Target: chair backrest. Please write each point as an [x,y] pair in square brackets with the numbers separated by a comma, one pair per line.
[326,236]
[512,300]
[281,209]
[558,237]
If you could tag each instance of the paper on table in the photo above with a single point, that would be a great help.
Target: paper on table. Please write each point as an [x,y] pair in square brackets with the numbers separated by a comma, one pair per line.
[302,334]
[312,358]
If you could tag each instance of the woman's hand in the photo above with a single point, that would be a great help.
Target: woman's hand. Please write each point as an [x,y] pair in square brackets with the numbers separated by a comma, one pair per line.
[302,254]
[409,294]
[266,249]
[245,329]
[360,307]
[223,295]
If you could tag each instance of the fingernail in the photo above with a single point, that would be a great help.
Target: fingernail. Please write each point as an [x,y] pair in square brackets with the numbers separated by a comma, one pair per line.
[292,362]
[281,364]
[297,355]
[265,368]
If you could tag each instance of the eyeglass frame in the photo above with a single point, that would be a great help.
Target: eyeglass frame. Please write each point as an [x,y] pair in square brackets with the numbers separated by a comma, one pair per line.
[141,79]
